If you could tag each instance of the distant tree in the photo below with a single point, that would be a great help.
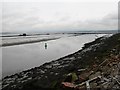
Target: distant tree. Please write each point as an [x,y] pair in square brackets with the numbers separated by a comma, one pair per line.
[24,34]
[47,34]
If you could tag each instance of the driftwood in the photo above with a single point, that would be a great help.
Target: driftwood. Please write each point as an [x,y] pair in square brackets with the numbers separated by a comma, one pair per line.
[87,85]
[88,81]
[116,80]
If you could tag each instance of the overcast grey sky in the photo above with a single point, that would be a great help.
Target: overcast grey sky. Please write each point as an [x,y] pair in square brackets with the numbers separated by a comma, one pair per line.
[38,16]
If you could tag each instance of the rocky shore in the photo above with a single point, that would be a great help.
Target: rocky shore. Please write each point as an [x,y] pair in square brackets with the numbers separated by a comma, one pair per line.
[96,65]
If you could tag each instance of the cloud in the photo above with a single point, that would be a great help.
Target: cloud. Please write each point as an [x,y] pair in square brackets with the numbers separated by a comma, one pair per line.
[108,22]
[58,16]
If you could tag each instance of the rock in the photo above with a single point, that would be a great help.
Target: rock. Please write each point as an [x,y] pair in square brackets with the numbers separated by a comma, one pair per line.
[67,84]
[71,77]
[95,75]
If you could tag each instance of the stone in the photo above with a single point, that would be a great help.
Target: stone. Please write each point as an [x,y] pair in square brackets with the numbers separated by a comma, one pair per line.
[95,75]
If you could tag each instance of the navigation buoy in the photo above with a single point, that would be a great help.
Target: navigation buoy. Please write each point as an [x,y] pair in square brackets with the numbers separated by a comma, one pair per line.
[45,45]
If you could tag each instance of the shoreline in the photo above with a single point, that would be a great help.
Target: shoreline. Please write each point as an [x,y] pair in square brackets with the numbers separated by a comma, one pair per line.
[7,43]
[79,48]
[61,58]
[53,73]
[26,42]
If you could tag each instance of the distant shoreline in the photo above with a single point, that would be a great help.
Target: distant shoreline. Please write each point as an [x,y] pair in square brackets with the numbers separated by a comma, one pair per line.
[26,42]
[37,40]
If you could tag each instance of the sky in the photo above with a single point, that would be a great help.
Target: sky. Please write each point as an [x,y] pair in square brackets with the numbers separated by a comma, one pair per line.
[20,16]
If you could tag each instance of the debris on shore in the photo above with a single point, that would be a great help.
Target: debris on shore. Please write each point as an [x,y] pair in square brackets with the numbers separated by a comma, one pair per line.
[105,75]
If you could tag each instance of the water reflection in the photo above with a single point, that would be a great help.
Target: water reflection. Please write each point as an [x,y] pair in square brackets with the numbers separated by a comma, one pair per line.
[20,57]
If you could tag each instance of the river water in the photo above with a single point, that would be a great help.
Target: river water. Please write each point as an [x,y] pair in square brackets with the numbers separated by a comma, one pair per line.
[22,57]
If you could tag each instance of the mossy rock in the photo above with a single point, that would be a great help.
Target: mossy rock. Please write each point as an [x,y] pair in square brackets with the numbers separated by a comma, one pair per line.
[71,77]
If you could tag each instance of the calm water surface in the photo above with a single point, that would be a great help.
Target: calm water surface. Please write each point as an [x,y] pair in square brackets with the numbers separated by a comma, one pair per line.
[21,57]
